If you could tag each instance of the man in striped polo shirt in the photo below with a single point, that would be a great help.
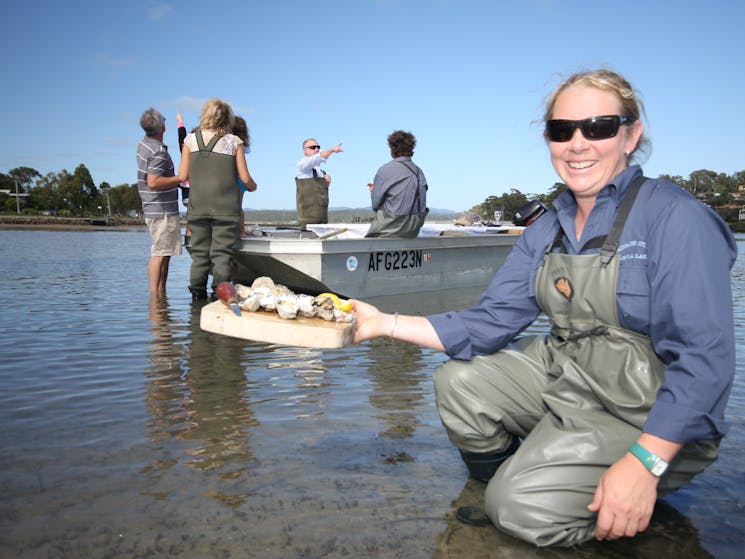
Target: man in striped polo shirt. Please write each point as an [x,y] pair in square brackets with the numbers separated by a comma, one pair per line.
[158,189]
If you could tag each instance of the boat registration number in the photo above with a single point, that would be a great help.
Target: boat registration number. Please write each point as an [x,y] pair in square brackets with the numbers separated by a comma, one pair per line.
[395,260]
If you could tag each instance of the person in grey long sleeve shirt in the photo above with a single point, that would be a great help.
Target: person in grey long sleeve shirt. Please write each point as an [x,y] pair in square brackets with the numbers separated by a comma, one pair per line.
[398,193]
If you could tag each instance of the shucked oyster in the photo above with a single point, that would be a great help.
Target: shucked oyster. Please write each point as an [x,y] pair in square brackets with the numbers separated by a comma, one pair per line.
[287,306]
[324,307]
[268,302]
[305,305]
[267,295]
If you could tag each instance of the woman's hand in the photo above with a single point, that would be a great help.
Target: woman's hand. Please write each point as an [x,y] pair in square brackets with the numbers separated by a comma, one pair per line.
[624,499]
[369,322]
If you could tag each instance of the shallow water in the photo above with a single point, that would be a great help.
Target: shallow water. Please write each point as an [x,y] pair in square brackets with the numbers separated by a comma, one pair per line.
[129,432]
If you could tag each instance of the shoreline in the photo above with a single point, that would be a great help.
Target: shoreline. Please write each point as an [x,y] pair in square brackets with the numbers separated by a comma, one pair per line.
[53,222]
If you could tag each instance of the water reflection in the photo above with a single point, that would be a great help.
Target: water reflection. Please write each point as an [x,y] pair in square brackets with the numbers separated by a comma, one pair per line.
[195,393]
[396,373]
[300,377]
[218,416]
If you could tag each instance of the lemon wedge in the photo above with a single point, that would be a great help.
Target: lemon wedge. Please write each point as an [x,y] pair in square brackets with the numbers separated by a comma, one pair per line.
[341,304]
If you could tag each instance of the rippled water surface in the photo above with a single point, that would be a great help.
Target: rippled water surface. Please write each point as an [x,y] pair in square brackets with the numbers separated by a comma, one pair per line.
[129,432]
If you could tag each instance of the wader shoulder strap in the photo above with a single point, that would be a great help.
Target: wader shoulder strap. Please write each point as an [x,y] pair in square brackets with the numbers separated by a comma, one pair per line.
[415,171]
[205,150]
[608,244]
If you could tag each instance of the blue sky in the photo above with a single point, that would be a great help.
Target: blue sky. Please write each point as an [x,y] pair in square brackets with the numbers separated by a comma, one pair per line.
[467,77]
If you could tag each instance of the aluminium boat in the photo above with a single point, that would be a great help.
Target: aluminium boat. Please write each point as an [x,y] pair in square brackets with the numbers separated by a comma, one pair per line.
[338,258]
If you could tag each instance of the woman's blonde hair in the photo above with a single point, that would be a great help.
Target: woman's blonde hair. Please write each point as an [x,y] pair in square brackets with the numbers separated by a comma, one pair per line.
[605,80]
[217,116]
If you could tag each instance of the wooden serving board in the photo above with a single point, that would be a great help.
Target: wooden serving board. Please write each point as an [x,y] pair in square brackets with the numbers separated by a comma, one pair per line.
[263,326]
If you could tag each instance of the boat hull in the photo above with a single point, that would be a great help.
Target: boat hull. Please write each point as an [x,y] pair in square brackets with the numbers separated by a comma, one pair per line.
[364,268]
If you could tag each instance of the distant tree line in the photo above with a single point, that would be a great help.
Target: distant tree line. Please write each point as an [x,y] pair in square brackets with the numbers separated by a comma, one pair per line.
[65,194]
[724,193]
[76,194]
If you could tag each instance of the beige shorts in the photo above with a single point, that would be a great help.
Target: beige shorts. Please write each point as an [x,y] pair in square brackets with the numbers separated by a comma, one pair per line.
[165,233]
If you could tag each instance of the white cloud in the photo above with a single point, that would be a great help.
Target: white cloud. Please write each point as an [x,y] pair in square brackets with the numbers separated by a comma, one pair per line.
[158,10]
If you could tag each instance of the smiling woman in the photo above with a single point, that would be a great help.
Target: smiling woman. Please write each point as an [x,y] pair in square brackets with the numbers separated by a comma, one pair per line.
[587,150]
[578,431]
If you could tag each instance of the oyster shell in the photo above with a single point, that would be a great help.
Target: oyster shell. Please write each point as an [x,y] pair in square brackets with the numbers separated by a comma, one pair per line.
[305,305]
[251,303]
[287,306]
[268,302]
[242,291]
[263,281]
[274,297]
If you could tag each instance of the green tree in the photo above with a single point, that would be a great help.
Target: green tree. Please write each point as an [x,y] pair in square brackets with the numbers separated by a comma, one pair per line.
[46,196]
[124,198]
[6,182]
[25,177]
[508,204]
[555,190]
[702,181]
[131,199]
[677,179]
[69,192]
[17,180]
[89,193]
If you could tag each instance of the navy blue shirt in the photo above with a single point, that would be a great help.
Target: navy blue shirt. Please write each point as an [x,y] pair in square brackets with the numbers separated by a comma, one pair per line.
[673,285]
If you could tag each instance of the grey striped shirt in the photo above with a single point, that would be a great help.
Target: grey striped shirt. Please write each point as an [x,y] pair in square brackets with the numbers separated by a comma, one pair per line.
[153,158]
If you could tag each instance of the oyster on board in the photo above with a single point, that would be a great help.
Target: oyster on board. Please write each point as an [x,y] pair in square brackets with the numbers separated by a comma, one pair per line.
[266,295]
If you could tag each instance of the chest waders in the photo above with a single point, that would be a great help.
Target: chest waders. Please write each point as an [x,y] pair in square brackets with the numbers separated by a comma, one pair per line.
[213,215]
[406,226]
[312,200]
[578,398]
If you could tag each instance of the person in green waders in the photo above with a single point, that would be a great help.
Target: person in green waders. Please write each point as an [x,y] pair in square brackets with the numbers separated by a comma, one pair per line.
[312,184]
[398,193]
[213,160]
[577,432]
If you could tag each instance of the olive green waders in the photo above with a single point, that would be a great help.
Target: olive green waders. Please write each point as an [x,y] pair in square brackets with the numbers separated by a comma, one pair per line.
[578,397]
[213,215]
[403,226]
[312,198]
[399,226]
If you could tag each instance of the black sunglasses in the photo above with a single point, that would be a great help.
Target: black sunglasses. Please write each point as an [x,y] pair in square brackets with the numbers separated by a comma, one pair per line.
[312,147]
[593,128]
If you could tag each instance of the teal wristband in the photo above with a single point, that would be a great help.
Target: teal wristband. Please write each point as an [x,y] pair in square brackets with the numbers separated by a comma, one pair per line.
[651,461]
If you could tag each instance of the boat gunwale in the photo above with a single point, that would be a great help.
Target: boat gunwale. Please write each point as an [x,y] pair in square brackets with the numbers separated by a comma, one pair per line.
[280,245]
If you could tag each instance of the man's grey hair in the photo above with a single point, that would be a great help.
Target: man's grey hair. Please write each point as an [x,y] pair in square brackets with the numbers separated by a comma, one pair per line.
[152,122]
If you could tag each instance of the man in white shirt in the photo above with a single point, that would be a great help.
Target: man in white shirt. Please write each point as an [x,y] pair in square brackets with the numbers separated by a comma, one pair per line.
[312,183]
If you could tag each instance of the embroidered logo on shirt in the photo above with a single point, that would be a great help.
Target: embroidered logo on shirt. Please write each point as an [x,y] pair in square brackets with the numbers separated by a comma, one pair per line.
[564,287]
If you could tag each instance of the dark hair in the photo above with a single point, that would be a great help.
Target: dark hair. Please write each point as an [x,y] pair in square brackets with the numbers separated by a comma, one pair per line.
[240,129]
[401,143]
